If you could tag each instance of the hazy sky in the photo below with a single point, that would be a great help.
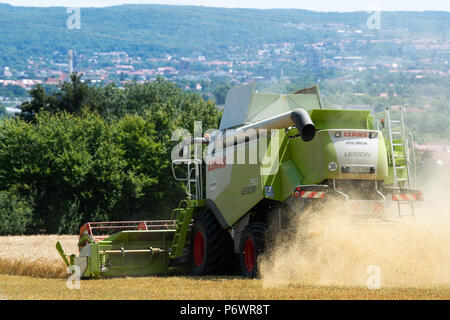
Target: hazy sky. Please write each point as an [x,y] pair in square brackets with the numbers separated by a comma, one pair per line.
[317,5]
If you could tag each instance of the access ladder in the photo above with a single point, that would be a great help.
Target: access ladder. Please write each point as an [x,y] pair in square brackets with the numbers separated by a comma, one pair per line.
[399,155]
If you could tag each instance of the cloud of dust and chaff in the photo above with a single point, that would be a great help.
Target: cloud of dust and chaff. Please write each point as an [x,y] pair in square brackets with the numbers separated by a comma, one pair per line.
[328,250]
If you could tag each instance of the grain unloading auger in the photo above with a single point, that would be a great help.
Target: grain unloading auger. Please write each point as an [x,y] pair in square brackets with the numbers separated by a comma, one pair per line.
[272,157]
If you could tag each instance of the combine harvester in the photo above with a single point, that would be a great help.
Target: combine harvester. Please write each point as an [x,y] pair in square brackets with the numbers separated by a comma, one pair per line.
[273,156]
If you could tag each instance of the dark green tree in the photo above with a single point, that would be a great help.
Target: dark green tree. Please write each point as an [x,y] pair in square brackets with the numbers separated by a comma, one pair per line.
[220,93]
[113,163]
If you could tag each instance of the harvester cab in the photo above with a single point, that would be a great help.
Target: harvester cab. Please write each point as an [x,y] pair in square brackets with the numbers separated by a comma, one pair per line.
[274,155]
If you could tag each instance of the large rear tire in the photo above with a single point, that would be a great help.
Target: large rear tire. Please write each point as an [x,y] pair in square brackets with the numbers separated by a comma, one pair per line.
[252,244]
[211,246]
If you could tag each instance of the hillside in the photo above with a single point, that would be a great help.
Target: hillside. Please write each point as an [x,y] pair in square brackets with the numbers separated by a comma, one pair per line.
[155,30]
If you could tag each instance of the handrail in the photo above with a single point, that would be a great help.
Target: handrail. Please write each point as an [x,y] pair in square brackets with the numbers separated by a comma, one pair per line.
[197,179]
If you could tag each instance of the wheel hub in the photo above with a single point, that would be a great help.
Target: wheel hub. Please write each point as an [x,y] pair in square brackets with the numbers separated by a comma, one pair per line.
[199,249]
[249,254]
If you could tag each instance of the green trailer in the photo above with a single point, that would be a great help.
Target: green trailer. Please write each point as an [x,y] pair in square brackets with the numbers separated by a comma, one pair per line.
[273,156]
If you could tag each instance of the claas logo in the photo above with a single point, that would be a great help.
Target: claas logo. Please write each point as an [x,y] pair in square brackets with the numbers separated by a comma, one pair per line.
[214,165]
[353,134]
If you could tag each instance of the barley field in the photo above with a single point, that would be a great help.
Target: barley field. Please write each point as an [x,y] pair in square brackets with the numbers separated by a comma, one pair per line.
[194,288]
[30,268]
[35,256]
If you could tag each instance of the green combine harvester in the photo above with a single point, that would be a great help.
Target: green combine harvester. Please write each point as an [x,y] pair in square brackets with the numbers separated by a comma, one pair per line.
[273,156]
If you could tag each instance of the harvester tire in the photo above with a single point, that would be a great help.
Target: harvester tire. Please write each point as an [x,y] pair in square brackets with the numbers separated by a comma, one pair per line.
[211,246]
[252,244]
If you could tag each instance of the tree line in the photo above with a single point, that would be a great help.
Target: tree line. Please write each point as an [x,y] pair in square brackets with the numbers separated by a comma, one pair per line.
[85,153]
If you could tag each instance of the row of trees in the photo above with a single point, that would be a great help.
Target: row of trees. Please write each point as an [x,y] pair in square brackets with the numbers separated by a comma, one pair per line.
[88,153]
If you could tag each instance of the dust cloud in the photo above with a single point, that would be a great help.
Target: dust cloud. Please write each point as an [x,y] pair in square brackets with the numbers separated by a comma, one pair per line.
[327,249]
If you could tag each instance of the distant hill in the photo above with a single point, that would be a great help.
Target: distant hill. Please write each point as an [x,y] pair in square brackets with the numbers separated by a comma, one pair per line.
[154,30]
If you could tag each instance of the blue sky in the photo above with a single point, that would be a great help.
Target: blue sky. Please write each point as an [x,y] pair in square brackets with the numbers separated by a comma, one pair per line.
[317,5]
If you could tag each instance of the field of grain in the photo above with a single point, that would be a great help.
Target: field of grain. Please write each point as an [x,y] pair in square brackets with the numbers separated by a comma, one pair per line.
[30,268]
[35,256]
[193,288]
